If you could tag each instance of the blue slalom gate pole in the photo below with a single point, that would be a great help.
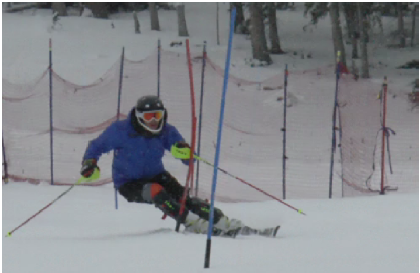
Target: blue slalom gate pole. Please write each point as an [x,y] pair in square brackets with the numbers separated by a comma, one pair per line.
[219,138]
[51,116]
[200,116]
[118,108]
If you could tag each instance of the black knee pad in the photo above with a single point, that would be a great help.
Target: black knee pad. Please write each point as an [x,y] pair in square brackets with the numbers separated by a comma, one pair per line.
[171,185]
[133,192]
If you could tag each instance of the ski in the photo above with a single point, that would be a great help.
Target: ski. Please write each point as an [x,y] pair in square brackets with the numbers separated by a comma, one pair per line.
[244,231]
[269,232]
[220,233]
[230,233]
[266,232]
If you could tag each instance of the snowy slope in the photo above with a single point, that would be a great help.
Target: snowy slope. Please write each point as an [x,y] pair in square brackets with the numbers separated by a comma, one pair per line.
[83,232]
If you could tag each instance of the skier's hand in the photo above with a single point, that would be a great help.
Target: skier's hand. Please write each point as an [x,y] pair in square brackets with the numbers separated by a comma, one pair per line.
[88,167]
[182,144]
[181,150]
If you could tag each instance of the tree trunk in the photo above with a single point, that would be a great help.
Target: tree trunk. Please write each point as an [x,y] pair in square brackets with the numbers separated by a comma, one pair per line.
[363,42]
[154,18]
[272,29]
[99,9]
[401,24]
[337,34]
[352,27]
[413,24]
[240,18]
[60,8]
[81,9]
[182,23]
[136,23]
[258,41]
[349,21]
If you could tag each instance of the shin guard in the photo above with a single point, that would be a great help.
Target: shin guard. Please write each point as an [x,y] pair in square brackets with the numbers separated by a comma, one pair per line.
[162,200]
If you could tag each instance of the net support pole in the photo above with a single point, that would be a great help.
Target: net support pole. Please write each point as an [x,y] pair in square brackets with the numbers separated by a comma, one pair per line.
[286,75]
[158,70]
[6,174]
[51,114]
[340,145]
[119,107]
[200,116]
[217,23]
[385,91]
[219,138]
[334,118]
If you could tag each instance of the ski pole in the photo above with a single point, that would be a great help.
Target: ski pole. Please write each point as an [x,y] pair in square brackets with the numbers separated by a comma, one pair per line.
[183,153]
[249,184]
[94,176]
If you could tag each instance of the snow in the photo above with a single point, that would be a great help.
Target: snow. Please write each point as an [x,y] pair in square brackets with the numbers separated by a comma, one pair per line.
[83,232]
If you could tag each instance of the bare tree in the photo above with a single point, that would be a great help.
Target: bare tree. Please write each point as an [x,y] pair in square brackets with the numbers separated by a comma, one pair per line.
[99,9]
[337,33]
[413,24]
[352,23]
[258,40]
[272,29]
[182,22]
[136,23]
[363,41]
[154,18]
[60,8]
[401,24]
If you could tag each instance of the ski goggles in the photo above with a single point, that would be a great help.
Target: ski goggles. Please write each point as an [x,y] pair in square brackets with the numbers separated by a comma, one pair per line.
[149,115]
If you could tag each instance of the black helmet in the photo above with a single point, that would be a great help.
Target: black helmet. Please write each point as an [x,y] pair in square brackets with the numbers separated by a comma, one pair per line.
[149,103]
[150,109]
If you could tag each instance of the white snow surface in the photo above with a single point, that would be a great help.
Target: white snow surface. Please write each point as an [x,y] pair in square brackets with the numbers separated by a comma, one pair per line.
[83,232]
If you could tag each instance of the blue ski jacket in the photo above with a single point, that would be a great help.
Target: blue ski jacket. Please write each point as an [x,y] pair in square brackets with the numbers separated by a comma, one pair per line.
[136,157]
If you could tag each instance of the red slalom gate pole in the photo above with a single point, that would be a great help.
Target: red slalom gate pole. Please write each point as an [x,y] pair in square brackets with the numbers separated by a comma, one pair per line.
[190,176]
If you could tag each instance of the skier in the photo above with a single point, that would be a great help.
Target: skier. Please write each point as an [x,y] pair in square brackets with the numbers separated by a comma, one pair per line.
[138,173]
